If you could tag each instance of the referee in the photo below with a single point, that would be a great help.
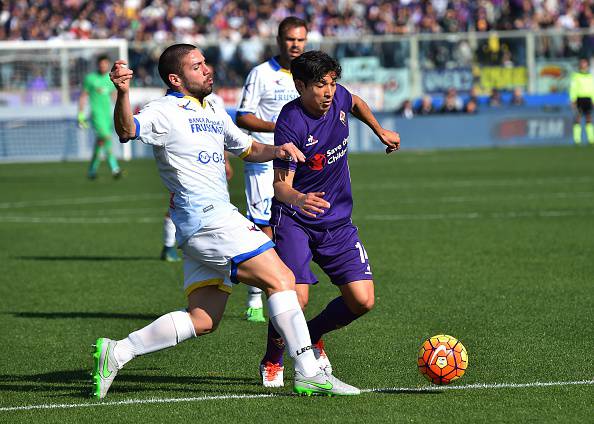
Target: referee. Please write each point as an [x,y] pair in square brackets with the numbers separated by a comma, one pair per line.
[581,91]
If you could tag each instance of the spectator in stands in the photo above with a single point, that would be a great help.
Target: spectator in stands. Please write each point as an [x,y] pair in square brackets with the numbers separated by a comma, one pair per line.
[495,98]
[451,103]
[517,98]
[471,106]
[406,110]
[426,106]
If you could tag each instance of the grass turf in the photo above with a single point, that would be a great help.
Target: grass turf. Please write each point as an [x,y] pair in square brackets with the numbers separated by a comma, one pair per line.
[494,247]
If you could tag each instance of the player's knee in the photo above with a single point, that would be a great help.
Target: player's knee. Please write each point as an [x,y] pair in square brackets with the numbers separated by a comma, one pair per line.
[203,326]
[362,305]
[283,280]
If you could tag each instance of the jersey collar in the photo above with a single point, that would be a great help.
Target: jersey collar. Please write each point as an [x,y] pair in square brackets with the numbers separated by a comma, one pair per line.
[273,62]
[179,95]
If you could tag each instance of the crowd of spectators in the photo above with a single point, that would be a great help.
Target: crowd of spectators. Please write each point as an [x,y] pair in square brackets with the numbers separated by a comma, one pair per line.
[451,102]
[194,20]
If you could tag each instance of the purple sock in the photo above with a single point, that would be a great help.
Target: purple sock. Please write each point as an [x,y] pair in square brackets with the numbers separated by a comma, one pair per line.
[275,346]
[336,315]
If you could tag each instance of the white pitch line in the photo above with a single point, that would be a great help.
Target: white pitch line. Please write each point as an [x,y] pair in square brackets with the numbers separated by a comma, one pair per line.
[77,220]
[81,200]
[23,219]
[273,395]
[475,215]
[449,183]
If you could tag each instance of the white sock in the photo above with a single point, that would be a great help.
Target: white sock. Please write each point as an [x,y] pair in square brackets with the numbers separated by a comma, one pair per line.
[168,232]
[254,297]
[287,317]
[166,331]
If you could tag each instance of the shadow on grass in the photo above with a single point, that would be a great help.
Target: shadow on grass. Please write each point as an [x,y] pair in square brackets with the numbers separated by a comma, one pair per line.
[87,258]
[78,383]
[75,315]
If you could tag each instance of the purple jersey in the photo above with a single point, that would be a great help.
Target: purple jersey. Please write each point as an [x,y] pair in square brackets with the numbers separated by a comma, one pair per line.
[324,142]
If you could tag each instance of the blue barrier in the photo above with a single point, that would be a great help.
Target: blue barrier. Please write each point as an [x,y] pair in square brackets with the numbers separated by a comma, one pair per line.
[518,126]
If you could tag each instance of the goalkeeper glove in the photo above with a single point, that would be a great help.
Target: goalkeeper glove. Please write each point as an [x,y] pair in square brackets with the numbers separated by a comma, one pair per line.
[82,121]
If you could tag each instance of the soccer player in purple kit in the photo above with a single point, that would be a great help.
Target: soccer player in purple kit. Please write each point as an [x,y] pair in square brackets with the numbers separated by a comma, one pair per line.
[312,205]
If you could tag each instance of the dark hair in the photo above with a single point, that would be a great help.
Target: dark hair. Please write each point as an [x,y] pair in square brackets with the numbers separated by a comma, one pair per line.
[312,66]
[101,58]
[290,22]
[170,61]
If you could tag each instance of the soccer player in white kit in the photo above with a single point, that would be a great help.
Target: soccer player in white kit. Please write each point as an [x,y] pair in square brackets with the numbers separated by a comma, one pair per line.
[268,87]
[220,247]
[169,251]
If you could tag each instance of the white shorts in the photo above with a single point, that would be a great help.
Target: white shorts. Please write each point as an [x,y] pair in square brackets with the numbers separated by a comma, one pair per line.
[259,193]
[212,254]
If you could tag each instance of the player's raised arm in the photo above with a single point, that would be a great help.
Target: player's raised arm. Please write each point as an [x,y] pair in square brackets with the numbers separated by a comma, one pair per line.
[123,119]
[310,204]
[264,152]
[362,112]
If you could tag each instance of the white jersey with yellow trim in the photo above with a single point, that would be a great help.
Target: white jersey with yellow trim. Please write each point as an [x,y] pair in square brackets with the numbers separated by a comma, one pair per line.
[189,139]
[267,89]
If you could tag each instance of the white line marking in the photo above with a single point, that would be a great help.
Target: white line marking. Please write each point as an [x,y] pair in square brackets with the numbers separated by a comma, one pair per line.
[82,200]
[449,183]
[476,215]
[23,219]
[77,220]
[271,395]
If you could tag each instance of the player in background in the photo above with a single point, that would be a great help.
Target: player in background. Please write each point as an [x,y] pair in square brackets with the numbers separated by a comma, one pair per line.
[312,205]
[581,91]
[268,87]
[169,251]
[220,246]
[98,90]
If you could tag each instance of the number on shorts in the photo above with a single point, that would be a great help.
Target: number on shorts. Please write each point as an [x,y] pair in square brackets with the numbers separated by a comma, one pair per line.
[267,203]
[362,252]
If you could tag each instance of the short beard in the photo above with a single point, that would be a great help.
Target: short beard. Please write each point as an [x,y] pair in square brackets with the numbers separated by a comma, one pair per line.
[196,92]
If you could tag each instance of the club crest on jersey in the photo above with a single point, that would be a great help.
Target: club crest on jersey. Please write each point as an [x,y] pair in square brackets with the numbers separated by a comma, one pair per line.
[343,117]
[253,228]
[187,106]
[316,162]
[311,141]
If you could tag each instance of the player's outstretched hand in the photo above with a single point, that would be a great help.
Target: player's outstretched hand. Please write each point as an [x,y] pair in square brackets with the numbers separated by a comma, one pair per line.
[121,75]
[289,153]
[391,139]
[312,204]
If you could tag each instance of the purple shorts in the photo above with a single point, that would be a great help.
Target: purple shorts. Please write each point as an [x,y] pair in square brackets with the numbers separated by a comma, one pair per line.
[338,251]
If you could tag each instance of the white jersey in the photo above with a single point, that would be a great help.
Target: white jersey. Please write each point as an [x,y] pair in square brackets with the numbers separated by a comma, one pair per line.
[267,89]
[189,139]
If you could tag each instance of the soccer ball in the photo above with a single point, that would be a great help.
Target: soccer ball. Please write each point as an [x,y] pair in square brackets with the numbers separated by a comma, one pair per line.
[442,359]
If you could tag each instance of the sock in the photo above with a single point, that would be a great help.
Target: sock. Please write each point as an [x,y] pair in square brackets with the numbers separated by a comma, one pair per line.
[590,132]
[166,331]
[254,297]
[287,317]
[95,160]
[577,133]
[275,346]
[336,315]
[168,232]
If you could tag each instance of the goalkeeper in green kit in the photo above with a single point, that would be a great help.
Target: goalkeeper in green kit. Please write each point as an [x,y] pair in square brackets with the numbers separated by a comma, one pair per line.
[581,92]
[98,90]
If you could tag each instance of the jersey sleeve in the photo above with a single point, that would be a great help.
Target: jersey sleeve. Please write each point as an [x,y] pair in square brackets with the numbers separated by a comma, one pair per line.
[250,94]
[236,141]
[152,125]
[345,97]
[284,133]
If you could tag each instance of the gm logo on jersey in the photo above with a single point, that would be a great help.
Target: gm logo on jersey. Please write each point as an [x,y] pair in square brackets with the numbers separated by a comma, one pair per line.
[205,157]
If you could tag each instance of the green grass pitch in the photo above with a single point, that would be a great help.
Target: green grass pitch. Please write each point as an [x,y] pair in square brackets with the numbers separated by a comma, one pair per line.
[495,247]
